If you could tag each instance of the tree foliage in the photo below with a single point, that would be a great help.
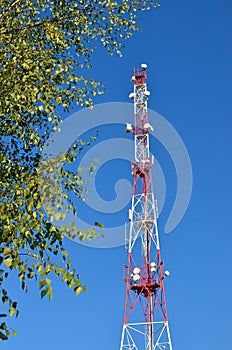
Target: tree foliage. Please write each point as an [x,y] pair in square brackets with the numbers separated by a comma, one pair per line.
[45,54]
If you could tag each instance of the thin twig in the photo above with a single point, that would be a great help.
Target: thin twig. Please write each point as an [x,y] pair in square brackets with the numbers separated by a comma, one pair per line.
[9,7]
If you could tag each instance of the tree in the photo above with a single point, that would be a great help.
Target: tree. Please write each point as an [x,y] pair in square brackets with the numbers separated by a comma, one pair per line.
[45,54]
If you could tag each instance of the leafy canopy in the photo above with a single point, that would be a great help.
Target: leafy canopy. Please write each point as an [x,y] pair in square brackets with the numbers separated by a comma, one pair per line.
[45,54]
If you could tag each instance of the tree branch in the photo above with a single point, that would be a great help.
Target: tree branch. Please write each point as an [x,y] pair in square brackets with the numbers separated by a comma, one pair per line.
[9,7]
[34,25]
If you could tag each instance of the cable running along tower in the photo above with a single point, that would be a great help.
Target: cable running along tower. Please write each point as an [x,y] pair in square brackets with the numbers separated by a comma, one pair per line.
[145,325]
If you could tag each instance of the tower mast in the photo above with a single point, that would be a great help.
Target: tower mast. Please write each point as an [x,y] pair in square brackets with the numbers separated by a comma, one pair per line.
[145,324]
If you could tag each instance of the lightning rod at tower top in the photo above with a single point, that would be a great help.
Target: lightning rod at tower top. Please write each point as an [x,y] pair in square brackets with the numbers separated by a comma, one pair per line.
[145,320]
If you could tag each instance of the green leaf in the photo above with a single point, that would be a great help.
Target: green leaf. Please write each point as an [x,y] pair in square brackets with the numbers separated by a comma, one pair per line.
[42,283]
[57,216]
[43,293]
[3,336]
[64,252]
[6,251]
[98,224]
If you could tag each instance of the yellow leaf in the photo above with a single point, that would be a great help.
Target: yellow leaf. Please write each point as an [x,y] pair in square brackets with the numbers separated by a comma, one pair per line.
[12,311]
[78,290]
[8,262]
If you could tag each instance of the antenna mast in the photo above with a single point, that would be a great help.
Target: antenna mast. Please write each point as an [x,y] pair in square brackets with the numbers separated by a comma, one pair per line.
[145,323]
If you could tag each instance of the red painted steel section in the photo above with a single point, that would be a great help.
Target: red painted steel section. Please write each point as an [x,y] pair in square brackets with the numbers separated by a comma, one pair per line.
[149,289]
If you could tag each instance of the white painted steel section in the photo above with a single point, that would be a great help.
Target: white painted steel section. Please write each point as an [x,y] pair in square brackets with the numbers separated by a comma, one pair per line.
[143,218]
[134,334]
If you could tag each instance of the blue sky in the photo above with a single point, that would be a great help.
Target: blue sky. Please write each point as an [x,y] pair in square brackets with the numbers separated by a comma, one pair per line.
[187,46]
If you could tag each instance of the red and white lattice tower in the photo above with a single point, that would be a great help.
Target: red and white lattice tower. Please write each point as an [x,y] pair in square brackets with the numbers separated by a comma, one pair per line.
[145,314]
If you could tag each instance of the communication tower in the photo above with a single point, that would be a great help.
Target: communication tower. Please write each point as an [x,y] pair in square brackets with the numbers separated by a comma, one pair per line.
[145,325]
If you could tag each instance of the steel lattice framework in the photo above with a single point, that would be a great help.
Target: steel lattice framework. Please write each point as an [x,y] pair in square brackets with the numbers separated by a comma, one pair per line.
[145,315]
